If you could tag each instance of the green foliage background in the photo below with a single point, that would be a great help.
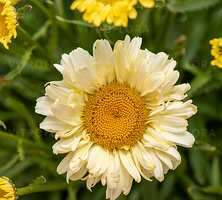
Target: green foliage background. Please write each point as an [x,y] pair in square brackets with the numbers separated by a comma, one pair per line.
[182,28]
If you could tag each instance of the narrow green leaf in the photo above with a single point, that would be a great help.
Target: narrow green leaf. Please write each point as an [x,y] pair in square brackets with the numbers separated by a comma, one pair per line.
[42,31]
[199,82]
[199,164]
[190,5]
[9,164]
[21,109]
[215,172]
[213,190]
[197,193]
[24,60]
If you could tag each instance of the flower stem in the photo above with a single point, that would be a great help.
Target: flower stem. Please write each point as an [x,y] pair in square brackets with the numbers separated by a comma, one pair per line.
[51,186]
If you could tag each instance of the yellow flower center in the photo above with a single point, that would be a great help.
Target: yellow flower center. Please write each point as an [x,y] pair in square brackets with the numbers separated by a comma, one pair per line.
[3,27]
[115,116]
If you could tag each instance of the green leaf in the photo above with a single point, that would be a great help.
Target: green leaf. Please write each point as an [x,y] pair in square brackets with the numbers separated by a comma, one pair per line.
[198,194]
[21,109]
[24,60]
[198,83]
[199,164]
[215,172]
[213,190]
[42,31]
[190,5]
[12,161]
[167,187]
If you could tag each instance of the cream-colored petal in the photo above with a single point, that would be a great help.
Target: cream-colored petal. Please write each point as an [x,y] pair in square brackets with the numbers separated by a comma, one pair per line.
[55,92]
[133,47]
[103,52]
[180,109]
[64,95]
[152,140]
[104,62]
[51,124]
[129,165]
[68,70]
[157,62]
[67,114]
[118,179]
[170,80]
[152,83]
[175,156]
[77,164]
[177,92]
[43,106]
[60,68]
[91,181]
[143,161]
[172,117]
[81,59]
[66,145]
[64,164]
[125,53]
[185,139]
[158,170]
[168,123]
[112,175]
[79,175]
[76,67]
[67,133]
[112,194]
[165,159]
[80,155]
[125,180]
[98,160]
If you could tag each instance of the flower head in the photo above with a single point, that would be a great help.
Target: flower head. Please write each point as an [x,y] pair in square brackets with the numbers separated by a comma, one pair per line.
[216,52]
[118,115]
[114,12]
[7,190]
[8,22]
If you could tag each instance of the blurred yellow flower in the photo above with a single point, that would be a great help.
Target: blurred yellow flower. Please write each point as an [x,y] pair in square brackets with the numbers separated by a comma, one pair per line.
[115,12]
[147,3]
[14,1]
[8,22]
[216,52]
[7,190]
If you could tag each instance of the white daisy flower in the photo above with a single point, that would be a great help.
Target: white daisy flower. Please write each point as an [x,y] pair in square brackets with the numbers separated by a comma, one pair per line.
[118,115]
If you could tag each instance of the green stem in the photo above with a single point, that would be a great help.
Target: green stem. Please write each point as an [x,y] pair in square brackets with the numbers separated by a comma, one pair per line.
[32,41]
[53,186]
[60,7]
[41,7]
[76,22]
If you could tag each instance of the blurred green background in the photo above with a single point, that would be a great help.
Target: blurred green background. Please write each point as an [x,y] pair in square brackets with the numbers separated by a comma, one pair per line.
[46,30]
